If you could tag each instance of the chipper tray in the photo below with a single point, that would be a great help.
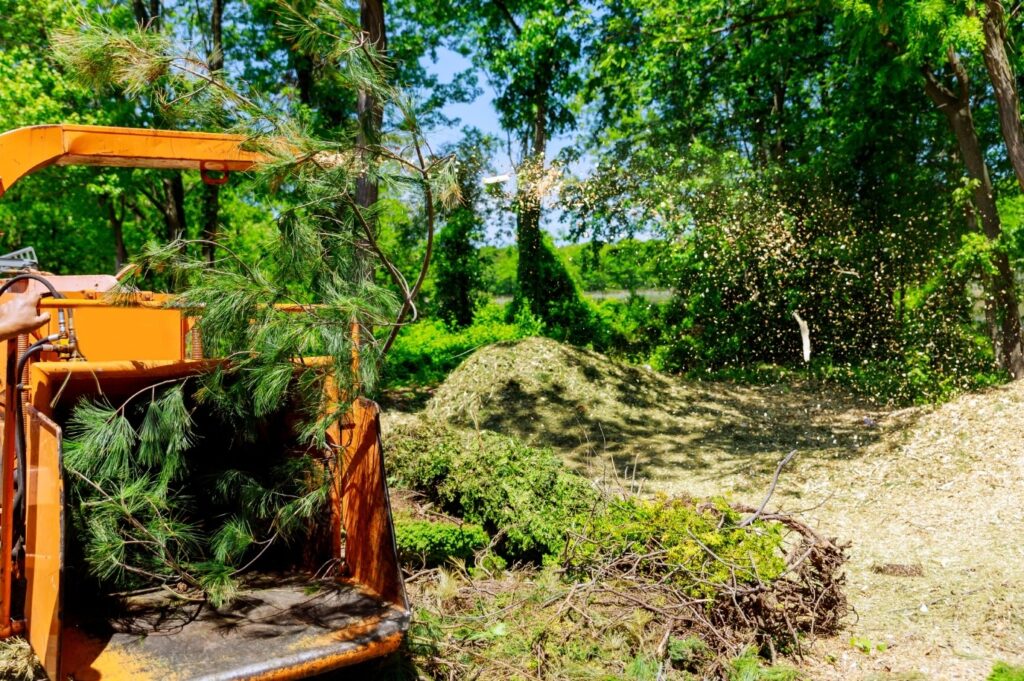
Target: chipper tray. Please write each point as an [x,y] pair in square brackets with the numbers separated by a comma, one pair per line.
[282,627]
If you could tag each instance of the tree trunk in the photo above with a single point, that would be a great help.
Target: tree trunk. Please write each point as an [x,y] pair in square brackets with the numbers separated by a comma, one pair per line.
[778,152]
[1004,85]
[172,202]
[371,117]
[957,109]
[174,207]
[147,14]
[529,238]
[117,228]
[211,192]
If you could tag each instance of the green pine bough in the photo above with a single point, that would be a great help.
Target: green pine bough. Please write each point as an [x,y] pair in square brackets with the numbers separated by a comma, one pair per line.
[152,508]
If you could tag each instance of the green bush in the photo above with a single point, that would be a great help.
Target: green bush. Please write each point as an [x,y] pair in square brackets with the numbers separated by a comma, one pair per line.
[427,351]
[912,379]
[689,653]
[630,329]
[429,543]
[522,495]
[700,545]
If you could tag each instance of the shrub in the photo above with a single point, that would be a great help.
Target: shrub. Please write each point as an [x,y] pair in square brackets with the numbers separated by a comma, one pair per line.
[429,543]
[524,496]
[912,379]
[427,351]
[700,546]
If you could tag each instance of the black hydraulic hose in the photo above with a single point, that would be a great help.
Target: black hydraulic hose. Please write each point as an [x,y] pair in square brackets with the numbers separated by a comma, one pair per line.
[45,282]
[18,503]
[34,277]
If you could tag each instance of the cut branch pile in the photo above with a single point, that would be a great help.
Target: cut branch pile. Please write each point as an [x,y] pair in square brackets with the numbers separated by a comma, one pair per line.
[640,605]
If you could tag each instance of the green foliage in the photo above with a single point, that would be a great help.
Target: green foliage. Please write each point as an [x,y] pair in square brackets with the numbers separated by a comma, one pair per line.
[1005,672]
[627,264]
[688,653]
[151,507]
[427,351]
[866,645]
[458,268]
[749,667]
[458,271]
[318,264]
[427,543]
[525,496]
[546,289]
[699,545]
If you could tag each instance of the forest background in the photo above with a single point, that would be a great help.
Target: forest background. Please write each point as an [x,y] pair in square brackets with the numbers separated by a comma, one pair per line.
[723,169]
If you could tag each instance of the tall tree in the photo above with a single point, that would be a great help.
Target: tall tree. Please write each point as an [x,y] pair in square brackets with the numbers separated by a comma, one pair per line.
[211,191]
[956,107]
[169,195]
[370,113]
[458,269]
[940,42]
[530,50]
[1004,84]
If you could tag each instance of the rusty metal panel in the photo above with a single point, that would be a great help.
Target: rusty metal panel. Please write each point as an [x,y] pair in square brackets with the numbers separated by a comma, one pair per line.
[7,489]
[44,538]
[370,554]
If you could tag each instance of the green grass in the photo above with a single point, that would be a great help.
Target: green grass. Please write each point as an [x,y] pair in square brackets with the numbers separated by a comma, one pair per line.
[1004,672]
[750,667]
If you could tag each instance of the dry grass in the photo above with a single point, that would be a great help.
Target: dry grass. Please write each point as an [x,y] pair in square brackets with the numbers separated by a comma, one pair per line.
[939,489]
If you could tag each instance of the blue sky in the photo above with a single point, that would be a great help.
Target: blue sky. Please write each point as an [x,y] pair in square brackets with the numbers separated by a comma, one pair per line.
[481,114]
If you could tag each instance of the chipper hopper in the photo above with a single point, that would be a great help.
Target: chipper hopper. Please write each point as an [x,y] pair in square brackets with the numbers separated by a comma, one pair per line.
[95,346]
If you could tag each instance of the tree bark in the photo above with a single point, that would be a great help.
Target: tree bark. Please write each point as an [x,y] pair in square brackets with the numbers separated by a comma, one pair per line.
[147,14]
[1003,292]
[172,202]
[174,207]
[1004,85]
[117,228]
[529,239]
[779,115]
[370,113]
[211,192]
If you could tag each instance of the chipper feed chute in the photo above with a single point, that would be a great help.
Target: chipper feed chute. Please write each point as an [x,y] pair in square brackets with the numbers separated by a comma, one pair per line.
[280,628]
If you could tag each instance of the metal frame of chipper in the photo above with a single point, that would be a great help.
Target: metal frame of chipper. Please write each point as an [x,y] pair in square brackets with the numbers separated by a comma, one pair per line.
[284,632]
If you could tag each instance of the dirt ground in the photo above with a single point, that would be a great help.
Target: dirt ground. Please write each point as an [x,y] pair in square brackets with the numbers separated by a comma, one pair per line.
[930,499]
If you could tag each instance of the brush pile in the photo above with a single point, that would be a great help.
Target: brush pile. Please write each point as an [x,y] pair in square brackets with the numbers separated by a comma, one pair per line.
[674,586]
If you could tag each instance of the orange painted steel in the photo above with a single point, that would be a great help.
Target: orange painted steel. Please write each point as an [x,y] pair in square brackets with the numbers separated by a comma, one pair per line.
[26,150]
[44,539]
[127,345]
[373,560]
[360,505]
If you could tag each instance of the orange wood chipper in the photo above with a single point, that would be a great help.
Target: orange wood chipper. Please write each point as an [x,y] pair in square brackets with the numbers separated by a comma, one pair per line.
[285,630]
